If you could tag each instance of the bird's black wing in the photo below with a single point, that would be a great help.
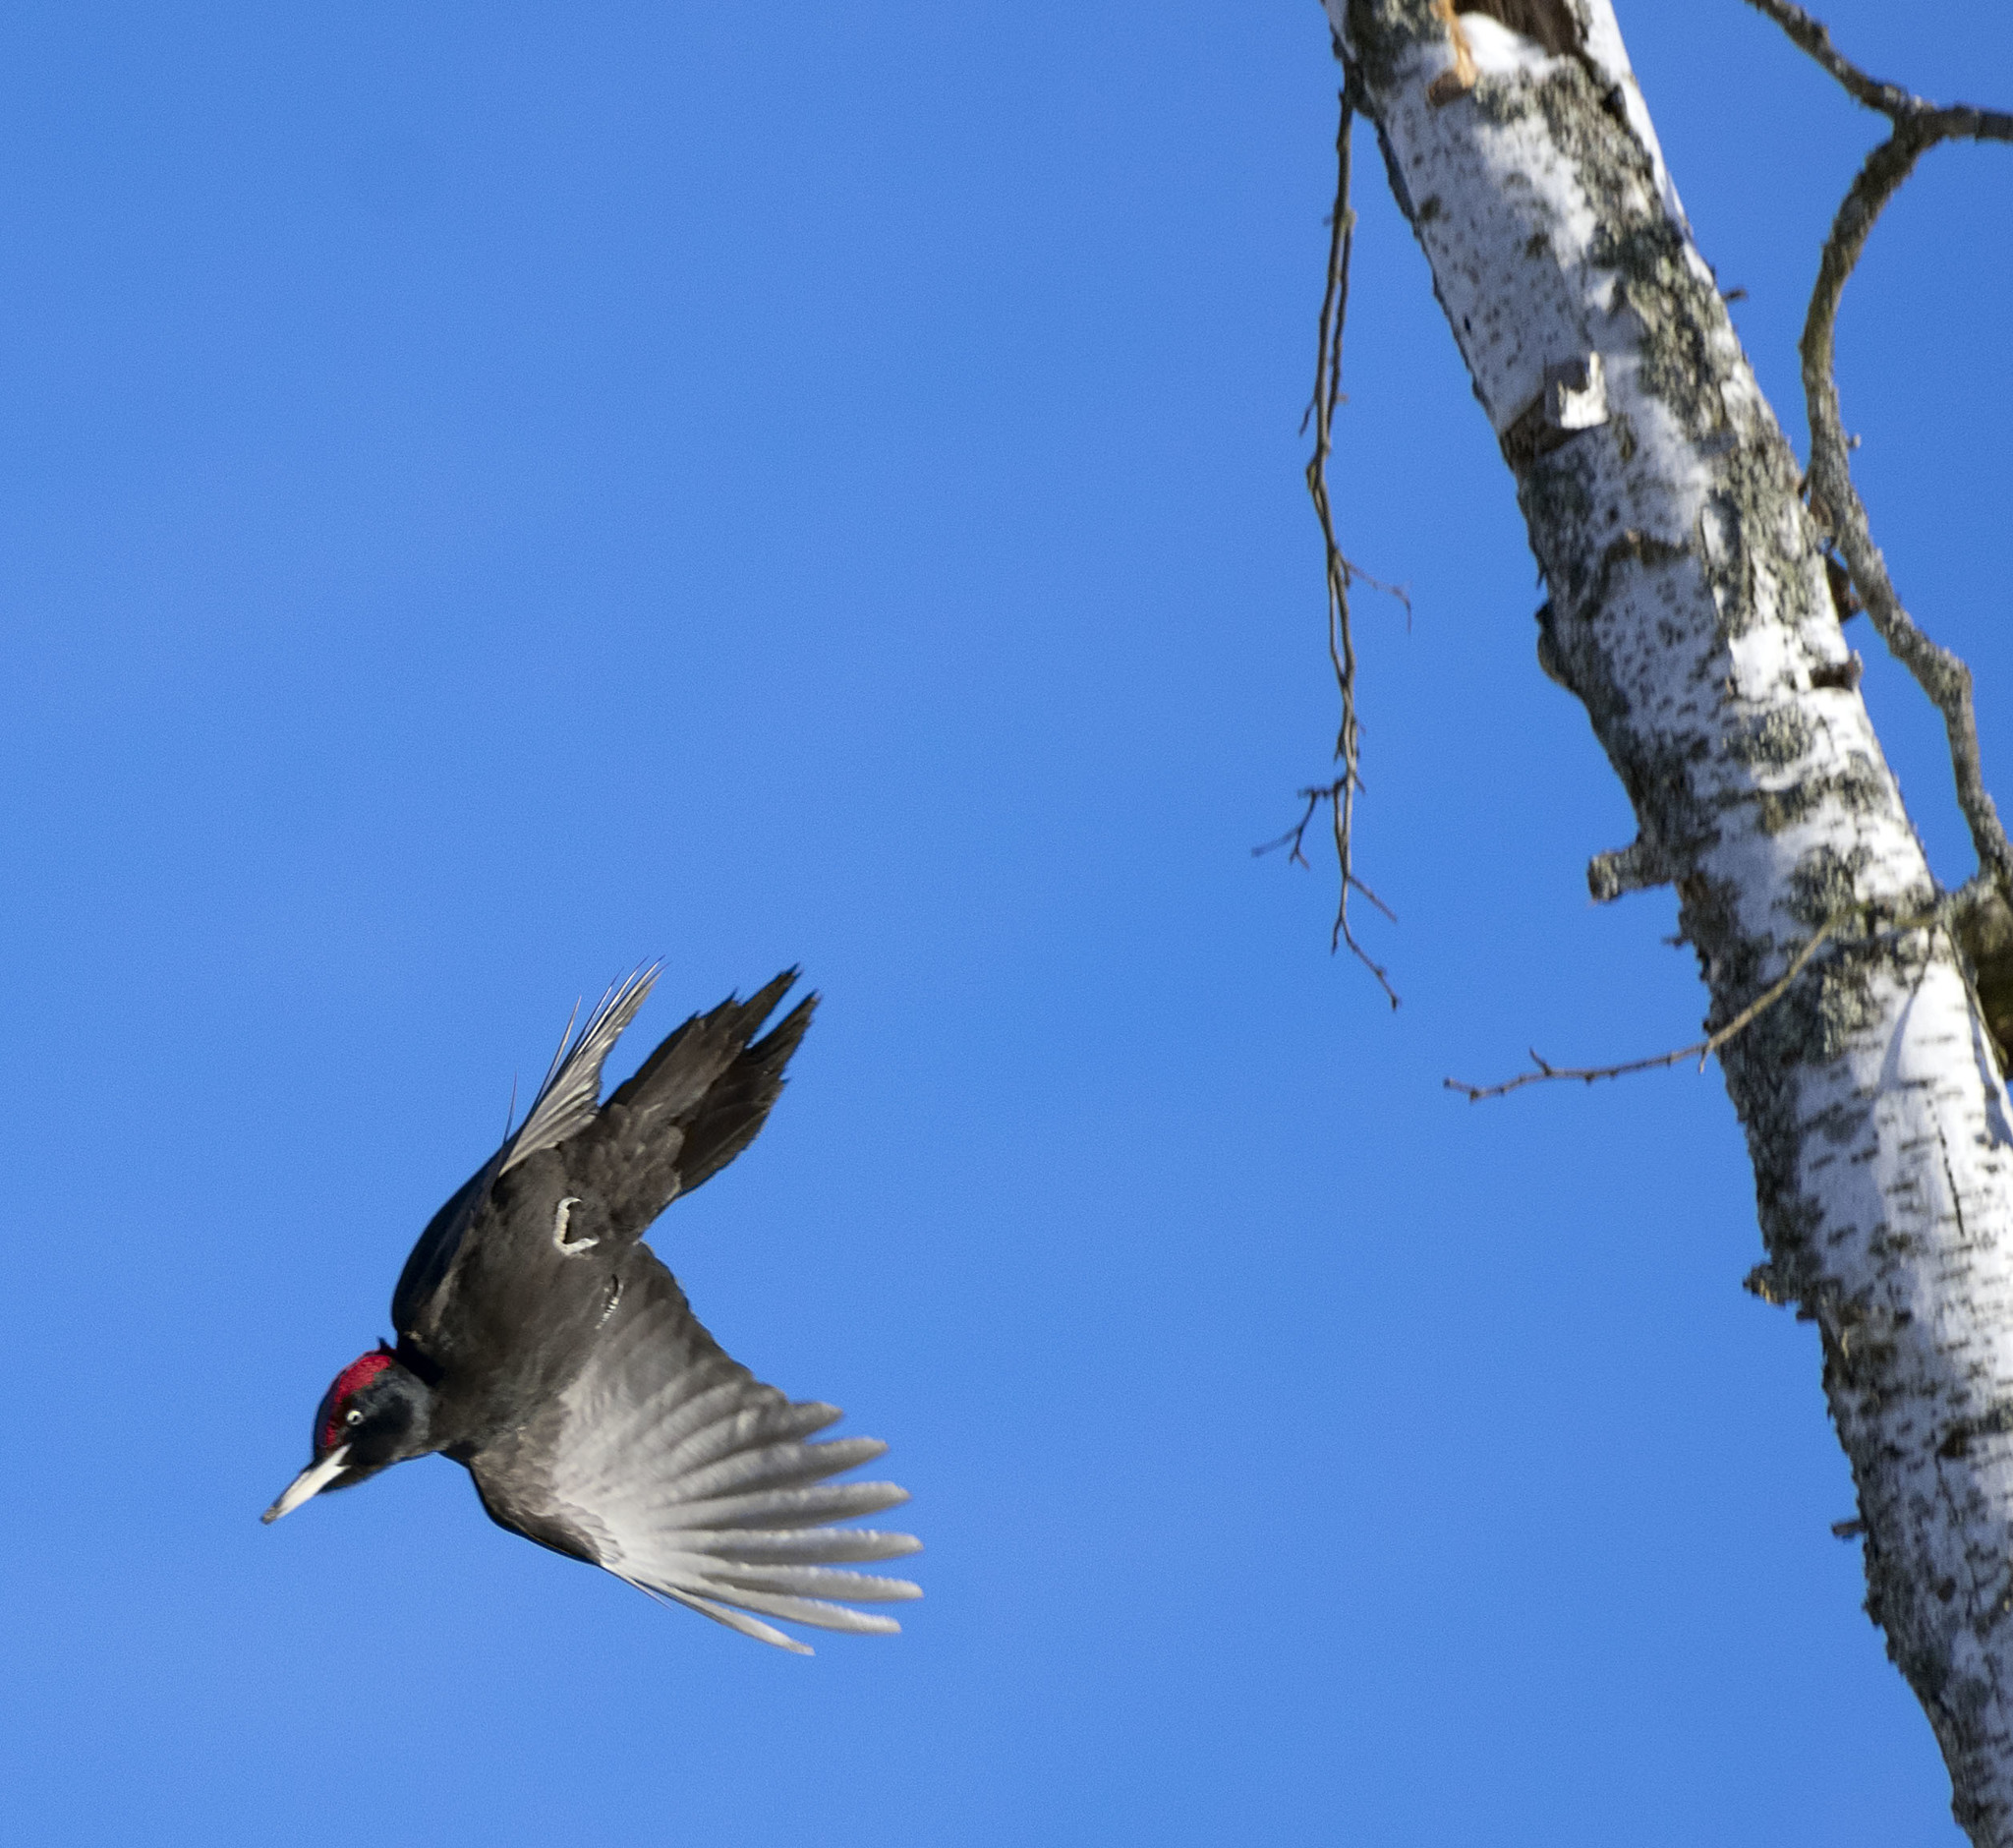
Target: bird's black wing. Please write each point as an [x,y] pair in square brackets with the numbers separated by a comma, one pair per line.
[426,1265]
[690,1108]
[675,1468]
[564,1105]
[694,1104]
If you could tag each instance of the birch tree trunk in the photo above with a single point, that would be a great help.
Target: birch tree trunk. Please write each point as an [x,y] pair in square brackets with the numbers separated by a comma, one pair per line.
[1689,611]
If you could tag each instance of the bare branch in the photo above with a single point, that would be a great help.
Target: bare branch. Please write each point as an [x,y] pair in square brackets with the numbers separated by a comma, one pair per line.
[1298,833]
[1702,1051]
[1942,675]
[1341,794]
[1342,652]
[1810,35]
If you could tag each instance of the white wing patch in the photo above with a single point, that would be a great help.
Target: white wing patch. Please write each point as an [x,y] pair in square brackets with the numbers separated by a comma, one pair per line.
[563,1216]
[571,1093]
[699,1487]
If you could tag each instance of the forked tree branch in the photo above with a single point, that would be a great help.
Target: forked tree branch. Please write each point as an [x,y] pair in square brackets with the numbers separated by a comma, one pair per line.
[1942,675]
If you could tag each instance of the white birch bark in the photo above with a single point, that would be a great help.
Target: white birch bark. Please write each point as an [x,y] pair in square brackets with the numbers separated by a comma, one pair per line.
[1688,611]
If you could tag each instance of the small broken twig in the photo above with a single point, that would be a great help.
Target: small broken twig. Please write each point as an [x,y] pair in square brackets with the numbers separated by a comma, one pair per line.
[1295,835]
[1702,1051]
[1942,675]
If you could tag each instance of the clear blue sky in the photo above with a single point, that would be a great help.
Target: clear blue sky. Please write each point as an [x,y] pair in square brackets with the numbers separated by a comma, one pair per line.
[495,492]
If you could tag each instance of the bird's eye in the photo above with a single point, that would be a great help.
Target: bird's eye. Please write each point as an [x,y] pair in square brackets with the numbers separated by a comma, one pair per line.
[353,1416]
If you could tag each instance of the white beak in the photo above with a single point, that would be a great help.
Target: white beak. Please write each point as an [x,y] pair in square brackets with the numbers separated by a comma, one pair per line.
[312,1480]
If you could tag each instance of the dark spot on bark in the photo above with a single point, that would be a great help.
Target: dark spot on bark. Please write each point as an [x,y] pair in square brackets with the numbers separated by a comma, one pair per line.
[1777,738]
[1995,1422]
[1383,33]
[1984,930]
[1503,100]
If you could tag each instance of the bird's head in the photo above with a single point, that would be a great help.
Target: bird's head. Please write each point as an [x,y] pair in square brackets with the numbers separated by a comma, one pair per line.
[376,1413]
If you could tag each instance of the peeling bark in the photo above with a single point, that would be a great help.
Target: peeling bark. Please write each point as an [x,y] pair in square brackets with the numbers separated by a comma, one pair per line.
[1690,611]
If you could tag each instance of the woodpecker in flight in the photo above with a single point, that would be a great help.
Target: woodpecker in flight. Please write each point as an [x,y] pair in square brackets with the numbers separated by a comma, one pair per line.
[543,1345]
